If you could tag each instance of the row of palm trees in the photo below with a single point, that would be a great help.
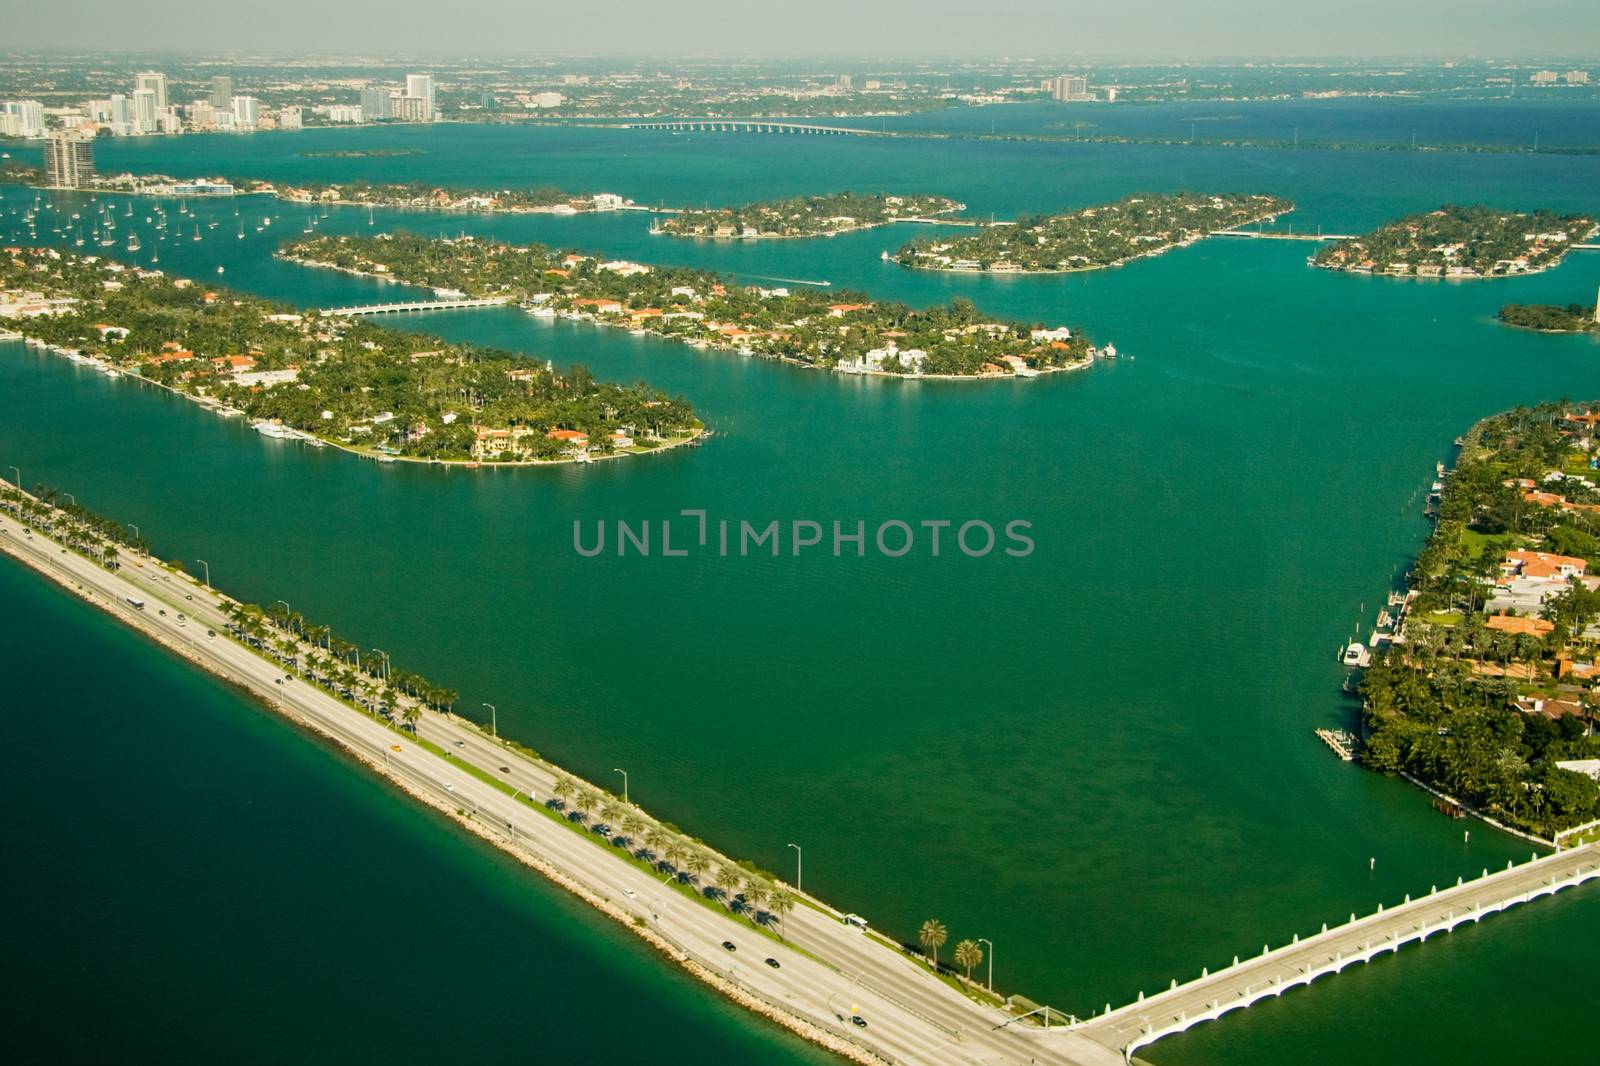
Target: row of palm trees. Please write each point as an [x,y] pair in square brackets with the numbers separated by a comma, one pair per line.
[933,935]
[80,529]
[735,885]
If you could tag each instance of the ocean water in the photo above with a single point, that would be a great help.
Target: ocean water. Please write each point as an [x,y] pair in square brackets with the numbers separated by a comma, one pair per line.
[1099,757]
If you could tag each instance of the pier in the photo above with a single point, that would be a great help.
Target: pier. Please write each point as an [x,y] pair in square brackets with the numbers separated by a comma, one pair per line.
[1274,971]
[1263,235]
[414,305]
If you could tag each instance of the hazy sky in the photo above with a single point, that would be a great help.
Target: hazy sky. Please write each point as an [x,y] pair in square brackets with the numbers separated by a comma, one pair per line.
[1018,28]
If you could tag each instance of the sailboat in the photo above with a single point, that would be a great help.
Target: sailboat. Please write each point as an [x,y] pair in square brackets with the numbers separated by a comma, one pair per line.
[241,231]
[197,231]
[133,242]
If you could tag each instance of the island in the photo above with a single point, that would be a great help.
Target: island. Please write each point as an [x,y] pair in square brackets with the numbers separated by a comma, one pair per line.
[1552,318]
[1460,242]
[844,331]
[323,379]
[1482,689]
[805,216]
[1107,235]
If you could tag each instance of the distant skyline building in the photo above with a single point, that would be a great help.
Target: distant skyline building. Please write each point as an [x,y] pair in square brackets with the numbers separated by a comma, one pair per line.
[1070,88]
[145,112]
[68,160]
[222,92]
[290,118]
[121,115]
[25,118]
[411,109]
[1544,77]
[1577,77]
[420,86]
[246,111]
[375,103]
[156,82]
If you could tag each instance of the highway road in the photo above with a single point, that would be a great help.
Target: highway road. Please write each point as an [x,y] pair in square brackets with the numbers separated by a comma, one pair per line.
[911,1017]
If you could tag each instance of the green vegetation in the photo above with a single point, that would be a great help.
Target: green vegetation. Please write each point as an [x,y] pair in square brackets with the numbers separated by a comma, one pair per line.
[804,216]
[422,196]
[932,936]
[845,331]
[16,172]
[1483,706]
[360,153]
[1551,318]
[1460,242]
[345,381]
[1102,236]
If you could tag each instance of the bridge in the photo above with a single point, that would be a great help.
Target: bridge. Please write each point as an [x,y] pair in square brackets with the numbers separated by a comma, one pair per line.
[1265,236]
[1302,961]
[414,305]
[722,125]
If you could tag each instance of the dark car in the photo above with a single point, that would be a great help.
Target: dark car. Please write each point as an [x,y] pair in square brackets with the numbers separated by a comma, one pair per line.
[773,963]
[730,945]
[856,1019]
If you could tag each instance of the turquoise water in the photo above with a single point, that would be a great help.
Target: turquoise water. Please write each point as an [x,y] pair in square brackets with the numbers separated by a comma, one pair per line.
[1099,757]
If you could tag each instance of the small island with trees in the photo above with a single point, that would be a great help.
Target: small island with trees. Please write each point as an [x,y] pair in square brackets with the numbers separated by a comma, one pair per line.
[804,216]
[1460,242]
[423,196]
[844,331]
[1106,235]
[1552,318]
[1486,688]
[322,379]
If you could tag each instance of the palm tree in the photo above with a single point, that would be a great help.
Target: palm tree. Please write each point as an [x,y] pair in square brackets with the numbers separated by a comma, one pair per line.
[632,825]
[697,863]
[932,936]
[781,903]
[611,811]
[756,893]
[586,801]
[411,715]
[727,880]
[968,955]
[675,854]
[655,839]
[565,789]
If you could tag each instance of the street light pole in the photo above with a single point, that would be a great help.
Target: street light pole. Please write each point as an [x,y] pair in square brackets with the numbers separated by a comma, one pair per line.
[986,940]
[494,715]
[624,773]
[385,655]
[71,497]
[17,472]
[136,534]
[798,869]
[207,565]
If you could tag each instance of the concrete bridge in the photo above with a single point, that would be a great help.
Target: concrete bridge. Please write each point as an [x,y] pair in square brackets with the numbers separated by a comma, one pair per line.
[414,305]
[1260,235]
[725,125]
[1300,962]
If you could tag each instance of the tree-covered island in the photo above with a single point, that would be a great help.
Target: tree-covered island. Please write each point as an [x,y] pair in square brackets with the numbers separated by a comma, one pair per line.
[1488,688]
[1460,242]
[1106,235]
[1552,318]
[324,379]
[842,331]
[804,216]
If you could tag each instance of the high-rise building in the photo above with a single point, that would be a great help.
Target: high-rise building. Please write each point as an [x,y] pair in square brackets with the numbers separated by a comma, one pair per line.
[411,109]
[202,114]
[1070,88]
[121,115]
[28,116]
[68,160]
[145,111]
[1544,77]
[421,87]
[246,111]
[156,82]
[222,92]
[375,103]
[1577,77]
[290,118]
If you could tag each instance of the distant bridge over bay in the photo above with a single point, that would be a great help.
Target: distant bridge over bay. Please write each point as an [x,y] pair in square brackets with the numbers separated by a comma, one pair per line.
[731,125]
[414,305]
[1270,236]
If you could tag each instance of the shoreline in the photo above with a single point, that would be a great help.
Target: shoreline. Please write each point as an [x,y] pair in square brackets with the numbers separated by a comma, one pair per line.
[97,363]
[751,1001]
[1150,253]
[699,342]
[927,220]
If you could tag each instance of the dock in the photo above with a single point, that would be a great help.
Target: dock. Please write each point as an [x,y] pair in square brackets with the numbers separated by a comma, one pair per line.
[1343,743]
[414,305]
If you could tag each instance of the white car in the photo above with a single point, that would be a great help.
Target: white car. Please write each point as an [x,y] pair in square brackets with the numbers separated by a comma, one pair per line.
[629,893]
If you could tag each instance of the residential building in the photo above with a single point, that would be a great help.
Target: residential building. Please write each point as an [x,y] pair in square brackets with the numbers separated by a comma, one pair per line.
[411,109]
[290,118]
[1070,88]
[202,115]
[546,100]
[156,82]
[145,112]
[28,115]
[1577,77]
[376,104]
[340,114]
[1544,77]
[246,111]
[420,86]
[121,115]
[68,160]
[222,92]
